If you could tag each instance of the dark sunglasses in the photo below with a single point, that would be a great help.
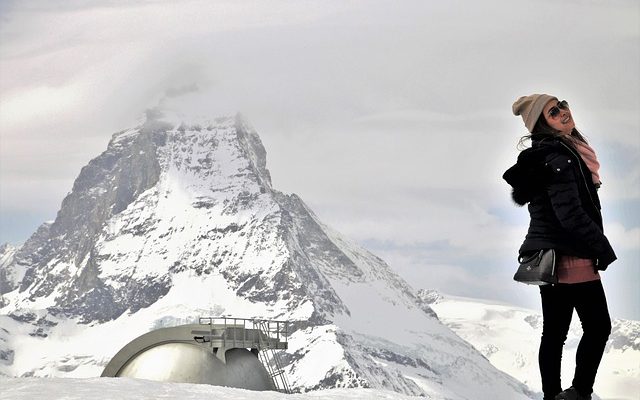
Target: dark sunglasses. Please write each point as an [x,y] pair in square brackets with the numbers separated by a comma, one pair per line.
[555,110]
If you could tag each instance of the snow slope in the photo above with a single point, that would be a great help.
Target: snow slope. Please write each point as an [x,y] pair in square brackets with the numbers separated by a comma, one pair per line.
[132,389]
[510,336]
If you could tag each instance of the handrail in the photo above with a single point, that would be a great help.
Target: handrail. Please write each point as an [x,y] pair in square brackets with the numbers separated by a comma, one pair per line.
[271,335]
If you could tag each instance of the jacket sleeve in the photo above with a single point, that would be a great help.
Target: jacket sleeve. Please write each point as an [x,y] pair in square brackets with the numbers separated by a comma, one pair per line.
[564,195]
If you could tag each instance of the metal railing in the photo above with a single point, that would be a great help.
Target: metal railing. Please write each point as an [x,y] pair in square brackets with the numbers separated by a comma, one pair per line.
[267,337]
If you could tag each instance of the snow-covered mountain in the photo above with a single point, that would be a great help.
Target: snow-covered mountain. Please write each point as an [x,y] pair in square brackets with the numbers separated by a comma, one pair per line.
[510,336]
[178,219]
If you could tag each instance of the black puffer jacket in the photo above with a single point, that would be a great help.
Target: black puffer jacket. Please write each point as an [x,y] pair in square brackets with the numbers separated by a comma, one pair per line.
[563,202]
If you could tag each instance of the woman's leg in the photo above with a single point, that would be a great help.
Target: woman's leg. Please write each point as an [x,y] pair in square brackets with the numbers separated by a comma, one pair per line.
[557,309]
[591,306]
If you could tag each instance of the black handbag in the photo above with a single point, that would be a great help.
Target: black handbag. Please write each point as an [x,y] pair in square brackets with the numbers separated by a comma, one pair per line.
[538,268]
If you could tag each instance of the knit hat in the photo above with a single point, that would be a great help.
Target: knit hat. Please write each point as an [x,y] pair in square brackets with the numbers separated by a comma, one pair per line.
[530,108]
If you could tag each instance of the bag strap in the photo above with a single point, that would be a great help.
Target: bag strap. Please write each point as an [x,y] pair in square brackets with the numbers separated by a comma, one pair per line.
[522,259]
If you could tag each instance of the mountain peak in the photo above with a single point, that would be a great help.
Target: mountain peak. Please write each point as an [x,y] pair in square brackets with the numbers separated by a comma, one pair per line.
[178,218]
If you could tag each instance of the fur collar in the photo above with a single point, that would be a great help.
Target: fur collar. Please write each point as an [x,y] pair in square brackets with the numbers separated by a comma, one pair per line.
[529,175]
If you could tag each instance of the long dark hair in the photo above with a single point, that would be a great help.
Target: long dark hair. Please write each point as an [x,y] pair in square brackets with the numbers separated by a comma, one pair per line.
[542,130]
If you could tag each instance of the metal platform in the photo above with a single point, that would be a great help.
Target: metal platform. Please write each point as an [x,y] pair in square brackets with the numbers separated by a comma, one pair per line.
[235,352]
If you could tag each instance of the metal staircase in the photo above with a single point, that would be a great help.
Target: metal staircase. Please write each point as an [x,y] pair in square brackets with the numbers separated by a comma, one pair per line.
[269,357]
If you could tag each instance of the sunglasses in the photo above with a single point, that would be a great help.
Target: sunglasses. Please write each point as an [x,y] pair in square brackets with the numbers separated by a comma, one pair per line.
[555,110]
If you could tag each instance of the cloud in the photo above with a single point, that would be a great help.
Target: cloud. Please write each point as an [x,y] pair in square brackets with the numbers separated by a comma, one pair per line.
[481,278]
[179,91]
[41,102]
[392,122]
[623,238]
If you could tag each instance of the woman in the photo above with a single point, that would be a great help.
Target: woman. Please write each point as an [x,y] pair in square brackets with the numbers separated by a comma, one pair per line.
[558,177]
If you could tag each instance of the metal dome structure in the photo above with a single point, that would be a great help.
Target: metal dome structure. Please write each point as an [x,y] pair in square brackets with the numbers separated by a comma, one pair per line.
[234,352]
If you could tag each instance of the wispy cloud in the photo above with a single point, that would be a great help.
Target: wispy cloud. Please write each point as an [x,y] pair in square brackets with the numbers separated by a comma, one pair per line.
[392,121]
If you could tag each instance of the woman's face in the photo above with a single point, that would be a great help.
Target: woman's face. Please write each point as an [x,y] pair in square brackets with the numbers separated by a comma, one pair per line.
[561,121]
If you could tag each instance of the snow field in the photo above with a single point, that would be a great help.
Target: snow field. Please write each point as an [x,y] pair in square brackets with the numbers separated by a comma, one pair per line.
[510,337]
[134,389]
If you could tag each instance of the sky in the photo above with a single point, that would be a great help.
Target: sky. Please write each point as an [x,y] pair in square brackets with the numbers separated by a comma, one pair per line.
[391,120]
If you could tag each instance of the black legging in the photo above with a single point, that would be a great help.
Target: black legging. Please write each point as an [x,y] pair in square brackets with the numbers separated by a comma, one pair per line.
[558,303]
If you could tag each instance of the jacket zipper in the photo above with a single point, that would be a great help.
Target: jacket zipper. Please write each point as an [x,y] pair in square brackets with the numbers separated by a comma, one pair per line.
[583,178]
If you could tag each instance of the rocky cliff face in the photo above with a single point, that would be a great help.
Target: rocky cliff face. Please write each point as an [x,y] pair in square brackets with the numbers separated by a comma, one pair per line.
[179,219]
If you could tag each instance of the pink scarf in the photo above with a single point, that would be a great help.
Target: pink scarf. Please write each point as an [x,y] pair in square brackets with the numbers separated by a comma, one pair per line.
[589,156]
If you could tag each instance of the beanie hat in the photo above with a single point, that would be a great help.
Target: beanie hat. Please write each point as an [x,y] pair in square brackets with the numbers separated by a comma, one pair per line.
[530,108]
